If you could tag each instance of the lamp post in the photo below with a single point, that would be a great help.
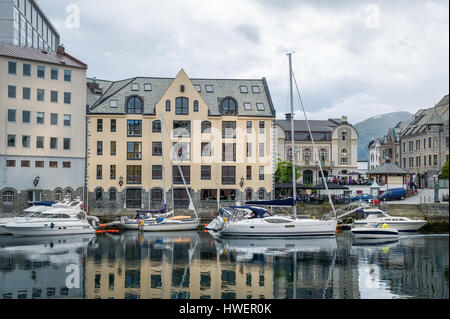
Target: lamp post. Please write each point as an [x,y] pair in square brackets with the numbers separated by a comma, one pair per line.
[241,183]
[436,188]
[121,181]
[36,181]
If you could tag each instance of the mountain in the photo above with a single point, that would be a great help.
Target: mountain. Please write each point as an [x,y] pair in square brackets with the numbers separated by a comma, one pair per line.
[377,126]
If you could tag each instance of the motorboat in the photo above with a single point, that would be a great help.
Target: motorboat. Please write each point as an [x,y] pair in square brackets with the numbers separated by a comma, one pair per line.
[30,212]
[148,217]
[55,221]
[175,223]
[367,216]
[375,231]
[235,212]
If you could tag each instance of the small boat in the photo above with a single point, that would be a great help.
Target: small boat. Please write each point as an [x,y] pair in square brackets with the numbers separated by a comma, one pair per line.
[55,221]
[176,223]
[375,215]
[375,231]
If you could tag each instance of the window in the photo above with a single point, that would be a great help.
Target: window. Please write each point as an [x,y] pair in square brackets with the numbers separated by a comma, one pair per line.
[429,142]
[249,149]
[99,172]
[99,198]
[157,148]
[53,164]
[112,198]
[8,197]
[344,136]
[134,87]
[177,178]
[113,125]
[244,89]
[67,98]
[344,151]
[157,172]
[429,160]
[41,71]
[40,117]
[206,149]
[147,87]
[249,127]
[99,125]
[228,175]
[418,161]
[208,195]
[228,107]
[206,127]
[113,148]
[255,89]
[12,91]
[435,143]
[26,141]
[247,106]
[306,156]
[181,88]
[418,145]
[113,104]
[195,106]
[26,93]
[261,127]
[39,142]
[248,194]
[99,148]
[228,194]
[156,126]
[134,105]
[343,161]
[181,128]
[134,151]
[260,106]
[425,160]
[323,156]
[228,129]
[181,106]
[157,194]
[26,69]
[11,115]
[112,172]
[206,172]
[168,106]
[229,152]
[134,128]
[261,194]
[26,116]
[10,163]
[53,143]
[198,87]
[40,94]
[67,75]
[181,151]
[11,140]
[67,164]
[25,163]
[54,96]
[54,74]
[134,174]
[261,173]
[39,164]
[66,143]
[209,89]
[435,159]
[249,173]
[262,150]
[67,119]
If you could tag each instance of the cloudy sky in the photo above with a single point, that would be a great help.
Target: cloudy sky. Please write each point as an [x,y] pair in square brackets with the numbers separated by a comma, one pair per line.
[355,58]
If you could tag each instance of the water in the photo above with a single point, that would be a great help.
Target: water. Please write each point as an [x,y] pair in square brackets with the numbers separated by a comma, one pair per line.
[193,265]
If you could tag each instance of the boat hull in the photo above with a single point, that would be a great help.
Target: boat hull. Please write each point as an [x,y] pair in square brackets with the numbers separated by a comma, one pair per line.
[400,226]
[374,233]
[170,226]
[258,227]
[41,230]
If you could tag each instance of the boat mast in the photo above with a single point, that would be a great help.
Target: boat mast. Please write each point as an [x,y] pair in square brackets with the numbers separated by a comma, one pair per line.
[163,162]
[294,182]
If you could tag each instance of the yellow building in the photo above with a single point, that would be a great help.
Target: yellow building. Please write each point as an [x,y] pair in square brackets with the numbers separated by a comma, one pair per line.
[219,131]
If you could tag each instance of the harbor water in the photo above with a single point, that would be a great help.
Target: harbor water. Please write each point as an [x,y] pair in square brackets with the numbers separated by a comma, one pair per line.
[195,265]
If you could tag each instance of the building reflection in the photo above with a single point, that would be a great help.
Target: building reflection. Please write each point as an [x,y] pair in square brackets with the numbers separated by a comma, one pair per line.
[33,268]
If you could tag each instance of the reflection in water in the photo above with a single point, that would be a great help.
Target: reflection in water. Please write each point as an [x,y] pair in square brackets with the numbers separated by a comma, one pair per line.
[183,265]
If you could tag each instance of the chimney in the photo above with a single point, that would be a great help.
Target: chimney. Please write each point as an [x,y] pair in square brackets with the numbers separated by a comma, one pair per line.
[61,50]
[344,119]
[288,116]
[94,86]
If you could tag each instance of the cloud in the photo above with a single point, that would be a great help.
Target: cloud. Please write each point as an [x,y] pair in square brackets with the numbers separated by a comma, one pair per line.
[342,64]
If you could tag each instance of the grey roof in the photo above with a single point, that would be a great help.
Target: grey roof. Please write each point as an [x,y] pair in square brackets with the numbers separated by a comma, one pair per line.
[301,126]
[222,88]
[16,51]
[387,168]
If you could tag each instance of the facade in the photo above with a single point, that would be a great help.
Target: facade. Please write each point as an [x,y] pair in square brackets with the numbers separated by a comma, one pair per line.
[23,23]
[336,142]
[42,116]
[374,153]
[424,144]
[219,131]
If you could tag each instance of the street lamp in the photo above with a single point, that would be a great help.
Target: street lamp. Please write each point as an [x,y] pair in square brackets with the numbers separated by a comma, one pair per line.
[121,181]
[241,183]
[36,181]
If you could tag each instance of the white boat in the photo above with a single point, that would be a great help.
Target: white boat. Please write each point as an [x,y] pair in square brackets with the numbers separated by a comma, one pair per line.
[375,231]
[30,212]
[375,215]
[55,221]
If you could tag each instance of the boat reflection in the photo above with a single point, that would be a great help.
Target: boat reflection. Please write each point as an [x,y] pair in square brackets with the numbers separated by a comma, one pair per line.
[375,242]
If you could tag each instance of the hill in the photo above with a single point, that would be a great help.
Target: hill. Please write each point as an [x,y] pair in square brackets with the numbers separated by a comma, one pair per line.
[377,126]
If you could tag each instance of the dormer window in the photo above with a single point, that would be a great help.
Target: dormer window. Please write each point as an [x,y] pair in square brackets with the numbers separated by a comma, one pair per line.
[256,89]
[113,104]
[209,89]
[260,106]
[147,87]
[134,87]
[247,106]
[228,107]
[244,89]
[134,105]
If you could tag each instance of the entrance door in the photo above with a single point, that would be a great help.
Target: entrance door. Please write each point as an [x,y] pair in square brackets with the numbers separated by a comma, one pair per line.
[134,198]
[34,196]
[308,177]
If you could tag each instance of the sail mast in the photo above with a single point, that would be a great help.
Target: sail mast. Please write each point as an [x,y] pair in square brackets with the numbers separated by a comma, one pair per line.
[294,182]
[163,162]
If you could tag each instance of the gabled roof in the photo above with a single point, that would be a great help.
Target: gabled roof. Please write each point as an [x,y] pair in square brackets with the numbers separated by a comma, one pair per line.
[19,52]
[387,168]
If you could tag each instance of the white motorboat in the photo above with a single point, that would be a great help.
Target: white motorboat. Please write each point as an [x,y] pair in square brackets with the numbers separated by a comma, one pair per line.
[375,231]
[176,223]
[30,212]
[55,221]
[375,215]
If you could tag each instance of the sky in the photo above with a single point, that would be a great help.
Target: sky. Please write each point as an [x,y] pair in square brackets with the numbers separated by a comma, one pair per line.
[355,58]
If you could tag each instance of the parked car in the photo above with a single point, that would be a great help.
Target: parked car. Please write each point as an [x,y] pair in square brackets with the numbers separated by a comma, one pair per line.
[393,194]
[363,196]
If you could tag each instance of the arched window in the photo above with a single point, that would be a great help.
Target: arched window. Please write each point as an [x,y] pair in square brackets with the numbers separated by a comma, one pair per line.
[98,195]
[181,106]
[289,154]
[8,197]
[344,136]
[112,195]
[261,194]
[344,151]
[228,107]
[68,195]
[134,105]
[307,156]
[206,127]
[156,126]
[195,106]
[58,196]
[248,194]
[157,195]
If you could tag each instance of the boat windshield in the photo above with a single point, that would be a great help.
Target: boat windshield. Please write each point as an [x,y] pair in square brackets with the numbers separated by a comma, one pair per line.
[54,216]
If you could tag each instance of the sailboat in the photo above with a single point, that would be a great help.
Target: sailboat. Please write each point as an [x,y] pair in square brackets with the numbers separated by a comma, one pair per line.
[174,223]
[281,225]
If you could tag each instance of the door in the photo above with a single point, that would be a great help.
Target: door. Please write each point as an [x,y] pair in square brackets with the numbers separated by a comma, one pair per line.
[134,198]
[34,196]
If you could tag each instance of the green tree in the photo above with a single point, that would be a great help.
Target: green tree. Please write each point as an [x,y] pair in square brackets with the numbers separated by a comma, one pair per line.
[283,173]
[444,171]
